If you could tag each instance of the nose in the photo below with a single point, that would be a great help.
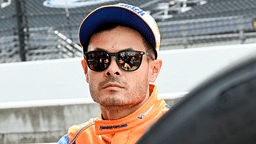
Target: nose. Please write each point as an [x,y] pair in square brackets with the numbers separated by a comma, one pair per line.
[113,69]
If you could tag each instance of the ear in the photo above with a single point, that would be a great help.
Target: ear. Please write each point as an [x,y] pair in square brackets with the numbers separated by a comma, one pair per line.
[84,64]
[155,68]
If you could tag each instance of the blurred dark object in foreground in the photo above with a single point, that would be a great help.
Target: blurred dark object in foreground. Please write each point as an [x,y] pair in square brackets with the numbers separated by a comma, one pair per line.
[220,111]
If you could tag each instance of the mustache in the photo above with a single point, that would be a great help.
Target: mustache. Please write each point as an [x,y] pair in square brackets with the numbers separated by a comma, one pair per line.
[114,80]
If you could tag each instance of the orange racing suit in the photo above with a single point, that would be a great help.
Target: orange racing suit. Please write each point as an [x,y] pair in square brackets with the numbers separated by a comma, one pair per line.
[126,130]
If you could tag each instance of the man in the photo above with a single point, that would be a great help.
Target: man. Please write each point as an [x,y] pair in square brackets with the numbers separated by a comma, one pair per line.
[120,44]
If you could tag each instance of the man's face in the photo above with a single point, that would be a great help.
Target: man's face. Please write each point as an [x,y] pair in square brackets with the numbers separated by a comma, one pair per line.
[114,86]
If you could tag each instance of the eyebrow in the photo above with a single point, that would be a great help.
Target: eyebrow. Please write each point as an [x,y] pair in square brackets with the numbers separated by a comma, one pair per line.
[101,49]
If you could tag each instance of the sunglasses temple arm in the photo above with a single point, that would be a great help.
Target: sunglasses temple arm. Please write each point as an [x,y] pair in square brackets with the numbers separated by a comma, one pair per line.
[150,55]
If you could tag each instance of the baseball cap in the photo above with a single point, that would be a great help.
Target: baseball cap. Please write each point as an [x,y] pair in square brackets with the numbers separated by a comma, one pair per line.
[123,14]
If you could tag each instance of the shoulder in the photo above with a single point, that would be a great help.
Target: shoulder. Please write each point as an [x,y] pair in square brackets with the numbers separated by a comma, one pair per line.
[75,130]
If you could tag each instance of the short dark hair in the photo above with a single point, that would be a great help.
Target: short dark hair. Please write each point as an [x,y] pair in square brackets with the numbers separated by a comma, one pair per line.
[113,25]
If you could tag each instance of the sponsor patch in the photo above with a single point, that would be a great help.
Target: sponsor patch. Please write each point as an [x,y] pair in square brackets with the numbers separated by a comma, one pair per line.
[113,127]
[133,8]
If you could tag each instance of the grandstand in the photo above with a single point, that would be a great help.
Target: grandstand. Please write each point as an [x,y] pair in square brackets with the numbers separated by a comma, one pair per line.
[32,31]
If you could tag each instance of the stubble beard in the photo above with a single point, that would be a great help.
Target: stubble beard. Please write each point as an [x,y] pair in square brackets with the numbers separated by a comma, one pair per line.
[130,98]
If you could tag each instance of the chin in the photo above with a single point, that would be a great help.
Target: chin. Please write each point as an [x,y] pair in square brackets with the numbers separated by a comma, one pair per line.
[115,100]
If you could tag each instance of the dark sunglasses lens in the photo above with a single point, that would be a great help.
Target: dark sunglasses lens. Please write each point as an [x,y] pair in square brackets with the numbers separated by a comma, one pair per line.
[129,61]
[98,60]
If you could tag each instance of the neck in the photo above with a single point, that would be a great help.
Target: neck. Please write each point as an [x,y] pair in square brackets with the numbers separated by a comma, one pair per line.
[118,112]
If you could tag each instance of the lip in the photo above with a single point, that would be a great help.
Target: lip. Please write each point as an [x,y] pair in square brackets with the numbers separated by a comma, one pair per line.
[112,85]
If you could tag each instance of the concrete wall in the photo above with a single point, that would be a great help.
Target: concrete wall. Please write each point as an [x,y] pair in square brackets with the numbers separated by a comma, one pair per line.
[42,124]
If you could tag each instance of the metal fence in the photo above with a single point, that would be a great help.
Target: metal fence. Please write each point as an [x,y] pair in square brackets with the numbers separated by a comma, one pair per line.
[41,29]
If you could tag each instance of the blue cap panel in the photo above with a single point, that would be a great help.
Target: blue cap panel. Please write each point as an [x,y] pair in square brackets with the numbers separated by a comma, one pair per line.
[114,14]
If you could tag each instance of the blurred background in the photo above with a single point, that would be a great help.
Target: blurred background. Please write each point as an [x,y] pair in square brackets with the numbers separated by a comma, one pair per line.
[48,29]
[42,87]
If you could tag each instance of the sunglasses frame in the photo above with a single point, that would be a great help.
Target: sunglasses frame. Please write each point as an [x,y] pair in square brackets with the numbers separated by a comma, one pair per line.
[117,61]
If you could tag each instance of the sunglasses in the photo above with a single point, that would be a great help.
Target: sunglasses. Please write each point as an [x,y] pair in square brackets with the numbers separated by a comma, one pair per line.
[128,60]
